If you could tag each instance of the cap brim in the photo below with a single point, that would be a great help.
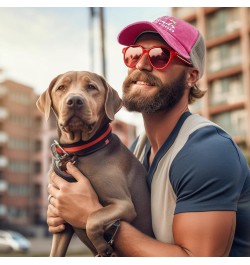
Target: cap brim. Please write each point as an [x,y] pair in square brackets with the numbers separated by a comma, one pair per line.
[129,34]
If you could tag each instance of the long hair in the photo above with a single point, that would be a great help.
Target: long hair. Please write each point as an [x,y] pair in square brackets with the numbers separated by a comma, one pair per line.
[195,93]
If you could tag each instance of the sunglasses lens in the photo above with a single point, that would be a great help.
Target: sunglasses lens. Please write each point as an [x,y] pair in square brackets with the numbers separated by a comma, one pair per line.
[132,56]
[159,57]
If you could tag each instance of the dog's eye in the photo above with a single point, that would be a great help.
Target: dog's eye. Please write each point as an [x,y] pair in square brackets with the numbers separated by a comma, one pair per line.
[91,87]
[61,87]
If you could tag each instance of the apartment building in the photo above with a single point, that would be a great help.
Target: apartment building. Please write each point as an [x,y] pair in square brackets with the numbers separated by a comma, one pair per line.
[20,155]
[227,76]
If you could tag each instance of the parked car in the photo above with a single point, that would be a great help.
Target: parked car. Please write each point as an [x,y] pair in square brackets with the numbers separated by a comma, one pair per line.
[26,231]
[13,241]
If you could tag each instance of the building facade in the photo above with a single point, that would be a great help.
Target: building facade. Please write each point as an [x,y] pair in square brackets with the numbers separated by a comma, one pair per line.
[226,31]
[20,155]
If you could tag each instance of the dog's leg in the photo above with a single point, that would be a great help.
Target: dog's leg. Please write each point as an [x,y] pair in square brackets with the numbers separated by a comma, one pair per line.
[100,219]
[60,242]
[84,238]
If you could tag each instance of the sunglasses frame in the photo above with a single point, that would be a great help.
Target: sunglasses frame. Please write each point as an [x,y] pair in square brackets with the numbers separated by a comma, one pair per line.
[173,54]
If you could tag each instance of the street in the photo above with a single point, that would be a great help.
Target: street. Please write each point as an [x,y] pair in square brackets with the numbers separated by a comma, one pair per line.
[40,246]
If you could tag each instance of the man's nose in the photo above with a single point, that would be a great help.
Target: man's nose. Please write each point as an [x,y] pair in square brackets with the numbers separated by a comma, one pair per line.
[144,64]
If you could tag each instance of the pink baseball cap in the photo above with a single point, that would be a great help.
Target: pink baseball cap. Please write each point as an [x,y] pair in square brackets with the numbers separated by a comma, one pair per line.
[178,34]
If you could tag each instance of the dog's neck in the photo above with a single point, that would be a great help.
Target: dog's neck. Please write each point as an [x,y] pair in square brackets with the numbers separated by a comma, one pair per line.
[63,153]
[101,138]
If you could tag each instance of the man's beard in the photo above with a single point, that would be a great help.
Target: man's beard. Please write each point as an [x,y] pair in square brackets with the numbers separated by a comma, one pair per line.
[167,96]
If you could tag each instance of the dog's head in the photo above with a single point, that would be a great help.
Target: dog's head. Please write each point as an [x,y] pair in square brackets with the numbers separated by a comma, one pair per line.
[82,102]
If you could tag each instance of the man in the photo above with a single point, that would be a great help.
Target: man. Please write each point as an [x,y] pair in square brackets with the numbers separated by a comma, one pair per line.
[199,179]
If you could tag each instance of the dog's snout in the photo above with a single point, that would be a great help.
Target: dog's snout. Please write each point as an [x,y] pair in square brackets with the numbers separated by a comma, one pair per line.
[75,102]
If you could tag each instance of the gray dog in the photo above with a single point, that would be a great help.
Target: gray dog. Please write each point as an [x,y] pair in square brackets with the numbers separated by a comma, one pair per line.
[84,105]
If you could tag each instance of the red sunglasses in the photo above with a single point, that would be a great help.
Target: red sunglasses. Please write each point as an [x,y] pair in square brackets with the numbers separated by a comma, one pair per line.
[159,57]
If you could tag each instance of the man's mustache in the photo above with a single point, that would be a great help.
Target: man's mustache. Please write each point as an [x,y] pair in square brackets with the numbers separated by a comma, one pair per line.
[138,75]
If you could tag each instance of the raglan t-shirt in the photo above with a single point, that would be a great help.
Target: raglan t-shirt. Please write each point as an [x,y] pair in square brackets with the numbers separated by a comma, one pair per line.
[207,173]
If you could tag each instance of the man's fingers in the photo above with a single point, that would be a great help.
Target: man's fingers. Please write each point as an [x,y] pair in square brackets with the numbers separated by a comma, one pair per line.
[56,180]
[55,223]
[53,191]
[74,171]
[56,229]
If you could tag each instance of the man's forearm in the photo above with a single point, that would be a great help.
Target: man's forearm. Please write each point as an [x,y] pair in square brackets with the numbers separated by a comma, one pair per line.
[129,242]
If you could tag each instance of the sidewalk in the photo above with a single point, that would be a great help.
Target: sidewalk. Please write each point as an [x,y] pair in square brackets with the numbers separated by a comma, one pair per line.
[41,246]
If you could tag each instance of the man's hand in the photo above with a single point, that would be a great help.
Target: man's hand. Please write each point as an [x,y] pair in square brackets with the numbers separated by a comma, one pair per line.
[70,202]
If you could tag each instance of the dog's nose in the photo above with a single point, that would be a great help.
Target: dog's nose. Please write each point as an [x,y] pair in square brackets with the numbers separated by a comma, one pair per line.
[74,102]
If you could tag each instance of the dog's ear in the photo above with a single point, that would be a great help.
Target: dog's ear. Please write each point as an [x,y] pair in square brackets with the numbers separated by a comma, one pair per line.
[44,101]
[113,102]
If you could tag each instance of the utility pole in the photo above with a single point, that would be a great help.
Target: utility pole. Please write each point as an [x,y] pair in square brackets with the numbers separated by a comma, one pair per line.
[100,16]
[91,38]
[103,54]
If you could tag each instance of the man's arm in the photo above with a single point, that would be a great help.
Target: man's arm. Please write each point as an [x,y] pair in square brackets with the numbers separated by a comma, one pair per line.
[195,233]
[207,234]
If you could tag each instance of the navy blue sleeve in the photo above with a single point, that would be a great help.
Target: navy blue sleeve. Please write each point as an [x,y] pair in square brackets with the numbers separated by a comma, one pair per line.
[206,174]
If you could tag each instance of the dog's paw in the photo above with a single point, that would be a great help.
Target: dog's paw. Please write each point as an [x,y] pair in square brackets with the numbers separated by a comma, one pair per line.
[108,252]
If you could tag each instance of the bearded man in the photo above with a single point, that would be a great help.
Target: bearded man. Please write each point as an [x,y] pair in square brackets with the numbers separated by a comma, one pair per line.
[198,177]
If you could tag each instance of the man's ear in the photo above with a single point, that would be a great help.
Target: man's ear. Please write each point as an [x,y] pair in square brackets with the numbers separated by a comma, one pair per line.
[113,102]
[192,77]
[44,101]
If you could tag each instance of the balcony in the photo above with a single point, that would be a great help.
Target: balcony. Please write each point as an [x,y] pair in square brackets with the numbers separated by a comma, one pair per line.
[3,162]
[3,138]
[3,186]
[3,114]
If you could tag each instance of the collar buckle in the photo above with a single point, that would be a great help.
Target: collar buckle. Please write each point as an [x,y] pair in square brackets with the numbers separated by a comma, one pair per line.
[61,159]
[56,155]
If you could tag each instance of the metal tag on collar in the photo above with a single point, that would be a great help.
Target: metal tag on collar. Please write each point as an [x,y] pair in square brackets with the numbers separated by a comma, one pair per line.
[54,152]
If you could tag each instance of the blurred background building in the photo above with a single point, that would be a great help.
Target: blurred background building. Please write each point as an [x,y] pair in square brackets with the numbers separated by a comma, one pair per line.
[20,156]
[227,75]
[25,137]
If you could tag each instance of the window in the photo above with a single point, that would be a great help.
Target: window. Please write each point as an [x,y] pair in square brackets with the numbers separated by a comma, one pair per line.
[232,19]
[224,56]
[19,144]
[231,54]
[184,11]
[16,166]
[37,145]
[14,212]
[18,190]
[223,21]
[37,167]
[213,60]
[20,97]
[226,91]
[233,122]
